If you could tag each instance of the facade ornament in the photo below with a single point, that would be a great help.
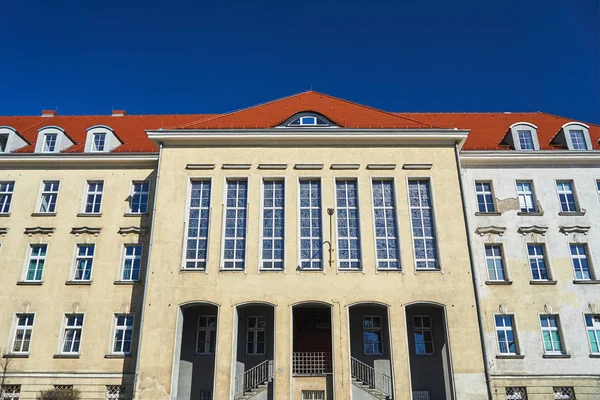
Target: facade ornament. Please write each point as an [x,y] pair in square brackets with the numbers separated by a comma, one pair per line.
[574,229]
[492,230]
[75,307]
[593,309]
[124,309]
[537,229]
[502,309]
[3,231]
[25,307]
[39,230]
[85,230]
[132,230]
[547,309]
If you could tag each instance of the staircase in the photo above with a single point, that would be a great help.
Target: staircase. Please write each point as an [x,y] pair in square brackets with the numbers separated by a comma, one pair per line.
[254,381]
[367,378]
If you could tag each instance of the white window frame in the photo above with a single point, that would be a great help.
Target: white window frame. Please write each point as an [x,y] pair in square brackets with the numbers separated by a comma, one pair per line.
[485,193]
[588,258]
[45,146]
[396,220]
[273,238]
[299,224]
[519,139]
[313,395]
[571,182]
[558,329]
[595,328]
[132,193]
[337,236]
[94,147]
[43,192]
[504,328]
[523,196]
[184,259]
[77,257]
[124,328]
[63,333]
[538,257]
[210,332]
[256,330]
[95,194]
[29,256]
[423,329]
[125,257]
[224,225]
[572,132]
[6,196]
[25,328]
[495,258]
[373,329]
[438,259]
[524,126]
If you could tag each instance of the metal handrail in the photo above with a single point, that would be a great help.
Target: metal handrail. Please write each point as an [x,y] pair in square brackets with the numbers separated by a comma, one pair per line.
[311,363]
[255,376]
[371,377]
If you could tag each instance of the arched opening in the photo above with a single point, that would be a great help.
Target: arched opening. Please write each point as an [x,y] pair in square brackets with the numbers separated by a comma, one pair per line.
[429,353]
[370,351]
[254,349]
[195,352]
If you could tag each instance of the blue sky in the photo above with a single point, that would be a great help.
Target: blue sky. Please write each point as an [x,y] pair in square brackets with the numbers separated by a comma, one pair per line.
[216,56]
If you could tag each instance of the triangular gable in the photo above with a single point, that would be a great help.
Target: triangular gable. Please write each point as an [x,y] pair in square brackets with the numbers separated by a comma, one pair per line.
[343,113]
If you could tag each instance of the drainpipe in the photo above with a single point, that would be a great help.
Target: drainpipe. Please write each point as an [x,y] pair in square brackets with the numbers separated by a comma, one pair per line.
[473,274]
[139,348]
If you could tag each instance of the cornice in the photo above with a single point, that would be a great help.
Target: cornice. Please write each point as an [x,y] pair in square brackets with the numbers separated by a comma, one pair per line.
[126,230]
[39,230]
[541,230]
[484,230]
[85,230]
[14,160]
[567,229]
[484,158]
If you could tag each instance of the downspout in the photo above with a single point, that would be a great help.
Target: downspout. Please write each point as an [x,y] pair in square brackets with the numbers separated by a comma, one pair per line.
[473,274]
[139,346]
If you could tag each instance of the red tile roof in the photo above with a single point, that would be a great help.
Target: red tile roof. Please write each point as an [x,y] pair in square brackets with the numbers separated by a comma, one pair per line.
[487,129]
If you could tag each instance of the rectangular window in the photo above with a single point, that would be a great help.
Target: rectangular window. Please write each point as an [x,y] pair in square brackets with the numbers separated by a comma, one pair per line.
[507,343]
[10,392]
[348,228]
[421,218]
[83,262]
[580,261]
[592,323]
[206,394]
[566,196]
[139,197]
[423,334]
[256,336]
[386,230]
[273,224]
[72,333]
[485,197]
[598,186]
[537,262]
[115,392]
[197,226]
[551,334]
[6,192]
[94,197]
[495,262]
[123,334]
[578,140]
[207,334]
[313,395]
[311,241]
[132,262]
[234,253]
[23,330]
[526,196]
[49,196]
[98,142]
[516,393]
[564,393]
[372,338]
[37,259]
[49,142]
[525,140]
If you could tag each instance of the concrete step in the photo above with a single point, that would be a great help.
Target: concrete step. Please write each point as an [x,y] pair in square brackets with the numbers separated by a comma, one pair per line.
[372,391]
[253,392]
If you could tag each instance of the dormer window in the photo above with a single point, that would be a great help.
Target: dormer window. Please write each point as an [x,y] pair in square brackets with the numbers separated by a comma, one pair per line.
[49,143]
[522,136]
[98,141]
[578,139]
[574,136]
[308,119]
[101,139]
[3,143]
[525,140]
[10,140]
[52,139]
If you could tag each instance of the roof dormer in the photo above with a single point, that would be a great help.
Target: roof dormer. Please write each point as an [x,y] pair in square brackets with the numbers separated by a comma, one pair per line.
[574,136]
[522,136]
[308,120]
[10,140]
[52,139]
[100,139]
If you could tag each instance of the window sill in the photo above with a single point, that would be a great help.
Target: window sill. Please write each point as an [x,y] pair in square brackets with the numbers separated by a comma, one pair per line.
[300,269]
[231,270]
[594,355]
[271,270]
[499,283]
[135,214]
[542,282]
[389,270]
[351,270]
[428,270]
[13,355]
[127,283]
[30,283]
[556,356]
[193,270]
[72,356]
[586,281]
[117,356]
[495,213]
[531,213]
[42,214]
[78,283]
[510,356]
[89,214]
[572,213]
[4,215]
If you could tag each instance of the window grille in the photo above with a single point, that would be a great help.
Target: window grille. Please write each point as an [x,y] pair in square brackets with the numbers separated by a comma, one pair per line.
[421,217]
[348,228]
[564,393]
[311,363]
[197,227]
[6,192]
[273,224]
[115,392]
[63,387]
[516,393]
[386,230]
[485,197]
[313,395]
[311,241]
[234,253]
[10,392]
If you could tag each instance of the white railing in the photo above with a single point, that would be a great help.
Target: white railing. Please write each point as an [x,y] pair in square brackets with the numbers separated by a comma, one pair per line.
[252,378]
[370,376]
[311,363]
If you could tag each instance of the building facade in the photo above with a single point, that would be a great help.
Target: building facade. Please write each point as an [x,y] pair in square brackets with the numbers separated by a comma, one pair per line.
[307,248]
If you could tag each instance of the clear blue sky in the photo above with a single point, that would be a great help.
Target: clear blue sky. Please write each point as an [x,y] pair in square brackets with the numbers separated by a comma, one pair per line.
[216,56]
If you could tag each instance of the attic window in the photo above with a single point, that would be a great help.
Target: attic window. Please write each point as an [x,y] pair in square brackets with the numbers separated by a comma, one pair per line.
[522,136]
[525,140]
[98,141]
[578,139]
[574,136]
[308,120]
[49,143]
[3,143]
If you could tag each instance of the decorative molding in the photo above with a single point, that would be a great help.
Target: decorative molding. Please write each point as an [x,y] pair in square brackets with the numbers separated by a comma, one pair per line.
[236,166]
[308,166]
[381,166]
[574,229]
[39,230]
[82,230]
[272,166]
[3,231]
[417,166]
[200,166]
[492,229]
[126,230]
[345,166]
[524,230]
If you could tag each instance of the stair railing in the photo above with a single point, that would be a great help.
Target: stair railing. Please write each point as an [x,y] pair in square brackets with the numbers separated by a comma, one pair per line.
[368,375]
[253,377]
